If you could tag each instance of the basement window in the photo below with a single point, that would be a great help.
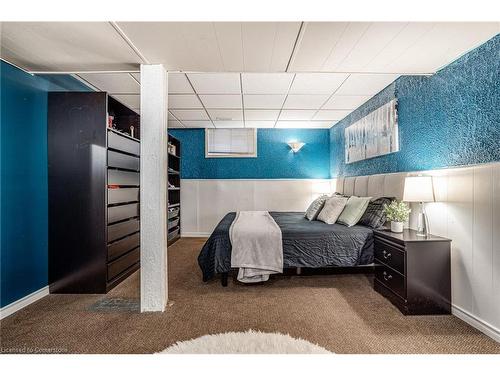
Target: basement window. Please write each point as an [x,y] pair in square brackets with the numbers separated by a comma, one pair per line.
[231,143]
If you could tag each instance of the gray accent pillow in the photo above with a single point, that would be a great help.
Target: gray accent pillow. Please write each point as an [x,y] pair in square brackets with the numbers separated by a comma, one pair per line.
[374,215]
[315,207]
[353,210]
[332,209]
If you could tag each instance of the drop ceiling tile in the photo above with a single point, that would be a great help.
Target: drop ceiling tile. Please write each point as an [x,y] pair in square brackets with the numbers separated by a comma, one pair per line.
[178,84]
[345,102]
[174,124]
[114,83]
[186,101]
[317,83]
[225,114]
[198,124]
[216,83]
[266,83]
[259,124]
[296,114]
[374,40]
[222,101]
[305,101]
[66,46]
[331,114]
[263,101]
[131,101]
[188,46]
[366,84]
[315,45]
[340,51]
[267,46]
[190,114]
[230,45]
[229,124]
[137,76]
[409,36]
[261,114]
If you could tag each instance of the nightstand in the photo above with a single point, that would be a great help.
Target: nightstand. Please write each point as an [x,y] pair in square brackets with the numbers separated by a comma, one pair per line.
[413,272]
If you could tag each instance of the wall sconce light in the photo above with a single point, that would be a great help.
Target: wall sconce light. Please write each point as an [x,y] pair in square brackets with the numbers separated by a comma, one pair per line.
[295,146]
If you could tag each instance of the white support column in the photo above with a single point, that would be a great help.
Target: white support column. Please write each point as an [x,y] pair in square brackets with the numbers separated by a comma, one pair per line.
[154,158]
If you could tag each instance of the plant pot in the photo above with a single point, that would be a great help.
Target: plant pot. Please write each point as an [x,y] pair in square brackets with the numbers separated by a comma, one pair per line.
[397,226]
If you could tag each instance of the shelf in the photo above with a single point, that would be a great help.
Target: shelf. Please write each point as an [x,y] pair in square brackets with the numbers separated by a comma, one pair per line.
[173,172]
[173,229]
[174,188]
[126,135]
[175,156]
[174,205]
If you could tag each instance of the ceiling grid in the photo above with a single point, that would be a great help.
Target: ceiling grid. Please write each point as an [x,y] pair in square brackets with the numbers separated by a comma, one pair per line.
[260,56]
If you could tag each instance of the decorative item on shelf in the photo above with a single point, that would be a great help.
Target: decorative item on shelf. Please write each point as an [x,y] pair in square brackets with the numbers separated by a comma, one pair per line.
[110,121]
[420,189]
[171,149]
[132,130]
[398,213]
[295,146]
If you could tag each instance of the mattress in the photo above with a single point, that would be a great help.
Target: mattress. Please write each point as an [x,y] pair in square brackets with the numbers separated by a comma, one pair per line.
[311,244]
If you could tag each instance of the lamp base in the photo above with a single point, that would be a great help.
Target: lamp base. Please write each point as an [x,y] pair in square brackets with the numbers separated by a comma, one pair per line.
[423,223]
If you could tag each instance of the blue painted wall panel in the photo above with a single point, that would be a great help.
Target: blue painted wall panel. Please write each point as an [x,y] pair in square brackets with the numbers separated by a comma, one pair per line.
[449,119]
[274,157]
[23,108]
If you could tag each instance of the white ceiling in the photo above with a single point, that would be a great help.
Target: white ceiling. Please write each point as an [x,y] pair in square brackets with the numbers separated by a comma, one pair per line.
[309,74]
[262,100]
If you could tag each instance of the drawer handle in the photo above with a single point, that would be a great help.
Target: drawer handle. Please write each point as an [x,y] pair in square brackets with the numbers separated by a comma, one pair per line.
[386,276]
[387,255]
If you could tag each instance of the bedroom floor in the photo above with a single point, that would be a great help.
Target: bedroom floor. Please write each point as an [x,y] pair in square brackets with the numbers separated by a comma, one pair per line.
[341,313]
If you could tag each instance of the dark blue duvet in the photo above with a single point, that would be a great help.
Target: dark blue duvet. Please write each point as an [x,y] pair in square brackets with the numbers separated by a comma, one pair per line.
[312,244]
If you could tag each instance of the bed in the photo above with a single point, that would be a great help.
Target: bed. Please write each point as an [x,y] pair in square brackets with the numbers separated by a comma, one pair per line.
[306,244]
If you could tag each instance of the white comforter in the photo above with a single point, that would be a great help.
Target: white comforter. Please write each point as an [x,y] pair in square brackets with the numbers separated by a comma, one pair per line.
[257,248]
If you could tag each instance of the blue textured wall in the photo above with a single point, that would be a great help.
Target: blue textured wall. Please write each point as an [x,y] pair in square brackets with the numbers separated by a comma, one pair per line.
[451,118]
[274,157]
[24,180]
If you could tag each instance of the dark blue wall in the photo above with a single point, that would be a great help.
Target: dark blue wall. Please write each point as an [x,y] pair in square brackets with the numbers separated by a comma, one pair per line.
[24,179]
[274,157]
[451,118]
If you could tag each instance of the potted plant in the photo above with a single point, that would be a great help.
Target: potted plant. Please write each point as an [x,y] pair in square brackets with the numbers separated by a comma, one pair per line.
[398,213]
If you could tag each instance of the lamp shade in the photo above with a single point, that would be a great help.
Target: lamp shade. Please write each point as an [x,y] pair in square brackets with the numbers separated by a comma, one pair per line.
[418,189]
[295,146]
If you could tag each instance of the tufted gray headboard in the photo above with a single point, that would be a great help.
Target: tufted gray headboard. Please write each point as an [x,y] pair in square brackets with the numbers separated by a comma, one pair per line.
[378,185]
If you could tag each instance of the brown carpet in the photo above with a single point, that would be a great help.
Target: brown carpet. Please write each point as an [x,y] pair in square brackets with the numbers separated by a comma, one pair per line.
[341,313]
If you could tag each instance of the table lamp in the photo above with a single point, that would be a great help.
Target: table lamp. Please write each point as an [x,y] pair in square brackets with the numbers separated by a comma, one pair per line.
[419,189]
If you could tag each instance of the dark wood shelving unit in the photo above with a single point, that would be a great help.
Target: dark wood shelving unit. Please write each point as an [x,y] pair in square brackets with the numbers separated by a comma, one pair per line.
[94,185]
[174,191]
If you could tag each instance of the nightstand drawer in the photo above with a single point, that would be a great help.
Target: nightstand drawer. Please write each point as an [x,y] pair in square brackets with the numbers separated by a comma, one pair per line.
[390,255]
[391,279]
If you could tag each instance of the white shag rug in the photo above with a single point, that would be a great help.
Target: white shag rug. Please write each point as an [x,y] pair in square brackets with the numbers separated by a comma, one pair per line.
[250,342]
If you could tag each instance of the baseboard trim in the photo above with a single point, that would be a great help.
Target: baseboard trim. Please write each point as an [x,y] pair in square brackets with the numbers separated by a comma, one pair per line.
[23,302]
[195,234]
[477,323]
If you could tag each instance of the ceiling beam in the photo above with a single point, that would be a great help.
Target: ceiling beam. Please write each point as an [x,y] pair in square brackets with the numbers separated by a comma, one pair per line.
[129,42]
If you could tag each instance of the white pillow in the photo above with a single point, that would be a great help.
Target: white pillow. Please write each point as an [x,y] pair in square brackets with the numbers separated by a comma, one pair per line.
[353,210]
[314,208]
[332,209]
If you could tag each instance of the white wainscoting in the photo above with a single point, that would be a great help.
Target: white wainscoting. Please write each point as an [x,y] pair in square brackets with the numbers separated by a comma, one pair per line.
[468,212]
[205,202]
